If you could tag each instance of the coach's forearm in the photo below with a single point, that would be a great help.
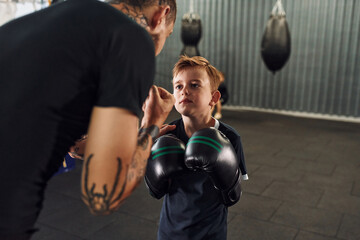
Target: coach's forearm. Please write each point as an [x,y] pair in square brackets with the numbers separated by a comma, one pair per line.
[136,170]
[137,167]
[129,173]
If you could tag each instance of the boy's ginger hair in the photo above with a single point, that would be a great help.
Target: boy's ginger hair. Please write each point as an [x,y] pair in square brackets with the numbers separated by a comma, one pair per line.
[202,63]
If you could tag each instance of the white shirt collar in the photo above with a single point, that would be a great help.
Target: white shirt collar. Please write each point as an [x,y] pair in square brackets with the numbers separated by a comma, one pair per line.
[217,124]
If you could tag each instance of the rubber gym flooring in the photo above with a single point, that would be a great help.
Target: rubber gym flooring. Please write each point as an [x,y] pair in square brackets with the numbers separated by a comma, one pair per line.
[304,184]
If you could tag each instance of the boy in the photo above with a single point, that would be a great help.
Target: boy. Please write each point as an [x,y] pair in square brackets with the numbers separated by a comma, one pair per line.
[192,208]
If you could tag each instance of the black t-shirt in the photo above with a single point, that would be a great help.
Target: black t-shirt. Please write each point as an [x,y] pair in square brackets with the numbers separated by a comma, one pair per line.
[55,66]
[192,209]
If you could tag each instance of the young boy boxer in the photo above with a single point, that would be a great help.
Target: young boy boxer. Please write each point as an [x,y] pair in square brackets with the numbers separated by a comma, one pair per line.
[199,180]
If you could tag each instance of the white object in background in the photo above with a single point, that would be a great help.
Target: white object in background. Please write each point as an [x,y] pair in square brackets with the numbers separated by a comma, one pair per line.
[7,11]
[10,10]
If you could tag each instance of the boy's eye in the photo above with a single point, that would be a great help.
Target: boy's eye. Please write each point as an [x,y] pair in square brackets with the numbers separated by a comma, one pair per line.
[178,87]
[195,85]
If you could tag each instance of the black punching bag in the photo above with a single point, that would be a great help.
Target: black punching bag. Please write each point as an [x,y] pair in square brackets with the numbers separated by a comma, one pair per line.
[190,34]
[224,93]
[276,42]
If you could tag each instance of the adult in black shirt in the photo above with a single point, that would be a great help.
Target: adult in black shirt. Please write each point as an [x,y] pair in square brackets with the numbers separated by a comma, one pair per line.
[78,67]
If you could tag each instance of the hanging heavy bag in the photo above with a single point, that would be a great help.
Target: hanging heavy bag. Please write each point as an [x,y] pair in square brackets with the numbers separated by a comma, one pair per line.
[224,93]
[190,34]
[276,42]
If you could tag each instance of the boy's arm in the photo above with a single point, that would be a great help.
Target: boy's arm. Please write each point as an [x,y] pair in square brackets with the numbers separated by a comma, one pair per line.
[240,153]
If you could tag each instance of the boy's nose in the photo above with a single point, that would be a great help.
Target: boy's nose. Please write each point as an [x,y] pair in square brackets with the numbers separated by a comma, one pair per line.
[185,90]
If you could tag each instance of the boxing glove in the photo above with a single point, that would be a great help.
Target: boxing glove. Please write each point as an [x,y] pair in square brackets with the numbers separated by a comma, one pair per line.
[209,150]
[165,162]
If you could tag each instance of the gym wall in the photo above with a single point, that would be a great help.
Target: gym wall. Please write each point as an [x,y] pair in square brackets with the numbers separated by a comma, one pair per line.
[322,75]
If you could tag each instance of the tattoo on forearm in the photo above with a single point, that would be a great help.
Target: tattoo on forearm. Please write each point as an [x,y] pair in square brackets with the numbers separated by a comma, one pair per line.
[101,203]
[137,167]
[139,160]
[143,140]
[152,131]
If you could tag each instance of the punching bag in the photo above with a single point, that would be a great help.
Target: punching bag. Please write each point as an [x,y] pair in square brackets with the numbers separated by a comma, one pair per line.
[276,42]
[190,34]
[224,93]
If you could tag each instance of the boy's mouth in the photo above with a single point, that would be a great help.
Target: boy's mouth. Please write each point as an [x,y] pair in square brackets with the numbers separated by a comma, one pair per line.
[185,100]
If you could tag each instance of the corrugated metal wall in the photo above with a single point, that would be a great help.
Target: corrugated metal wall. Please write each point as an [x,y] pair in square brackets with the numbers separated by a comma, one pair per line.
[322,74]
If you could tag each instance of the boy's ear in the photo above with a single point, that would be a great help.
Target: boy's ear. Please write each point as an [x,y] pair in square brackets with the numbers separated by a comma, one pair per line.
[215,98]
[159,17]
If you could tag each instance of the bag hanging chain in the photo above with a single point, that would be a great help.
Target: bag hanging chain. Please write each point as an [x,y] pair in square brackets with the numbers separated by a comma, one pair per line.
[191,15]
[278,9]
[191,6]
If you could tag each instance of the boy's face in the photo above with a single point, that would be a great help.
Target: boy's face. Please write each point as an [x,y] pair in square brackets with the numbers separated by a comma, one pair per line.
[192,92]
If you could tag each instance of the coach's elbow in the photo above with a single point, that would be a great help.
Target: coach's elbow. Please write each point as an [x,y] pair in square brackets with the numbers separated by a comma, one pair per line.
[100,207]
